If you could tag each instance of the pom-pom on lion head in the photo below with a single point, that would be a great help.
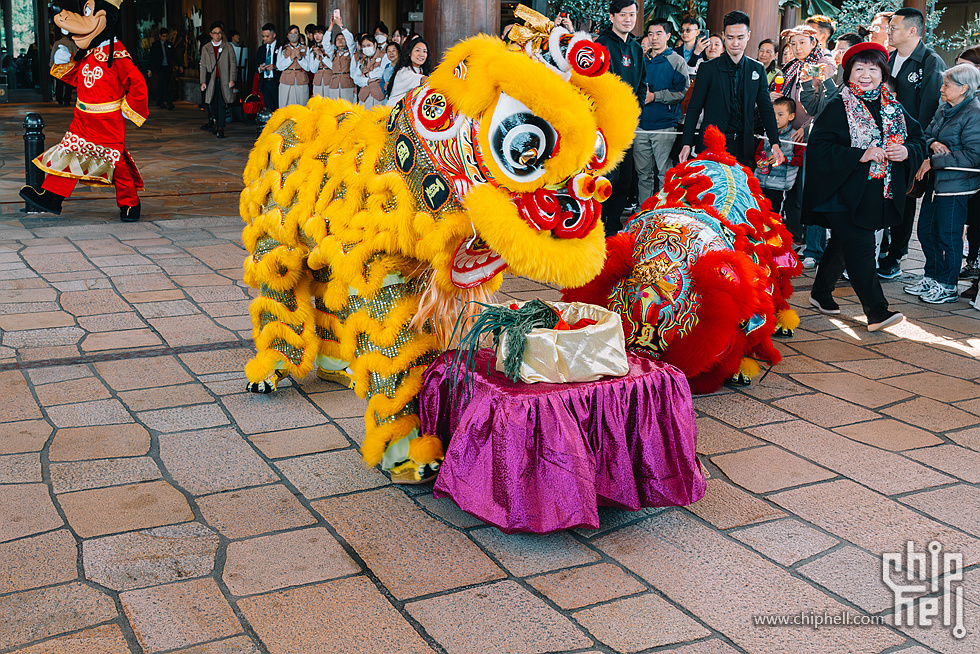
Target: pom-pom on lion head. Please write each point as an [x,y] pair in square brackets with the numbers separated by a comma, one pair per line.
[518,137]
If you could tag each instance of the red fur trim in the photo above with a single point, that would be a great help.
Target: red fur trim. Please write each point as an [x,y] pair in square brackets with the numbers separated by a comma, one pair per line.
[619,265]
[714,141]
[717,340]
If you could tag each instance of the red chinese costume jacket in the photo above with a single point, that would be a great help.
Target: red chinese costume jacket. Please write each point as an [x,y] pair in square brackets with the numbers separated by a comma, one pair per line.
[95,143]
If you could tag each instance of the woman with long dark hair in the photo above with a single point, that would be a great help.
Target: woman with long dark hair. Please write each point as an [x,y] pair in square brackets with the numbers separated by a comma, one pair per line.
[862,153]
[413,69]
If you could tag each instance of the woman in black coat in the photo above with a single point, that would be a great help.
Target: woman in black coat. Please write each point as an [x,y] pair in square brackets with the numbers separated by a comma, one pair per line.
[860,159]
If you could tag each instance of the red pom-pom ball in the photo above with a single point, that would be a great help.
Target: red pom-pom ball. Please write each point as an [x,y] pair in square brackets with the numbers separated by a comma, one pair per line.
[589,58]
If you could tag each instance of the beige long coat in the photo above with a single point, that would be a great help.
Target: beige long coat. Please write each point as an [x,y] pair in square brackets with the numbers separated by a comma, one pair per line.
[227,68]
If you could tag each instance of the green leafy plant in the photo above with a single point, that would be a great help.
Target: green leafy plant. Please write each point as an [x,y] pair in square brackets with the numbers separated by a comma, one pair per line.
[855,13]
[676,10]
[965,37]
[596,12]
[809,7]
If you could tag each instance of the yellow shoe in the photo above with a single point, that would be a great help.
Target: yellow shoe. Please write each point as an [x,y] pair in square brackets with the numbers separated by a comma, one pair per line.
[410,472]
[341,377]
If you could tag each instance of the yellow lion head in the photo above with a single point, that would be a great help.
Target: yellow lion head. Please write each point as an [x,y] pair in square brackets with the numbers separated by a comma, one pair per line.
[517,145]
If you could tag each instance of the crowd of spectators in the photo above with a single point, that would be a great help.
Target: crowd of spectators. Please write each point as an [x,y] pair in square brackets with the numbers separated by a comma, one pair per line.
[836,127]
[844,133]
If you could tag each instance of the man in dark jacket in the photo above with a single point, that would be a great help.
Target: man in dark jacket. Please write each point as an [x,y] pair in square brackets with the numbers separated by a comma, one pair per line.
[265,65]
[162,66]
[667,80]
[916,75]
[737,87]
[626,60]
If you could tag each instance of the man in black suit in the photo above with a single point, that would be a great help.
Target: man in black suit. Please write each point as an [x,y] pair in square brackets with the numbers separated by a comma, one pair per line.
[162,66]
[265,65]
[738,87]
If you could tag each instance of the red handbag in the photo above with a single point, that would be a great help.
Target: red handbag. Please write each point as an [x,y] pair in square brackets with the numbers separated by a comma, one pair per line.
[253,103]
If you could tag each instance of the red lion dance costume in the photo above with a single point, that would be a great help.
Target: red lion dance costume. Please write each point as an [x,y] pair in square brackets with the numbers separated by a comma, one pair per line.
[110,89]
[701,276]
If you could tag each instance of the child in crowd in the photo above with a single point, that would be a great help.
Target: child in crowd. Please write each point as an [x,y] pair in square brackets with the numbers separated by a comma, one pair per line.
[776,180]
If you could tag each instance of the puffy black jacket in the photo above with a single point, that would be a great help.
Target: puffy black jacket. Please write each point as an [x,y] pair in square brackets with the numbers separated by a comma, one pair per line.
[958,128]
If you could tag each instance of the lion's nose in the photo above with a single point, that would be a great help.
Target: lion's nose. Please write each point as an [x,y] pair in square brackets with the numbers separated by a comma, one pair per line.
[582,186]
[603,189]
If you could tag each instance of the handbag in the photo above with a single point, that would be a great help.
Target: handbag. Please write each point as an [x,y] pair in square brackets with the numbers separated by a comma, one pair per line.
[254,102]
[918,186]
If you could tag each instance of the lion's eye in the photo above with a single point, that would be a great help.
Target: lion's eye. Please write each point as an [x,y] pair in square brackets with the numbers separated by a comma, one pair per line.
[601,153]
[520,141]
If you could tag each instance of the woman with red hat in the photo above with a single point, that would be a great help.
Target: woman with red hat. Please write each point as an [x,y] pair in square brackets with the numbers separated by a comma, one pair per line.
[861,156]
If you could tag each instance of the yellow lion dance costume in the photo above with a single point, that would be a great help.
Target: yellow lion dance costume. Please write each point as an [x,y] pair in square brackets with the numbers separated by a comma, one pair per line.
[368,230]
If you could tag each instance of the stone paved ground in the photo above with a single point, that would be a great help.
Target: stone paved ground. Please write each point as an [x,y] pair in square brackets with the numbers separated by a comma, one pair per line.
[148,504]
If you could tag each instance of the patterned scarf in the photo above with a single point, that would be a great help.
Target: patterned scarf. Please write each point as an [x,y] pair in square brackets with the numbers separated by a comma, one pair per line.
[865,132]
[791,72]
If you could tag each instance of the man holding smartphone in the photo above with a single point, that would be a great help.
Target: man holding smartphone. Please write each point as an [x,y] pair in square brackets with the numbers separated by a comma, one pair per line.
[694,41]
[265,59]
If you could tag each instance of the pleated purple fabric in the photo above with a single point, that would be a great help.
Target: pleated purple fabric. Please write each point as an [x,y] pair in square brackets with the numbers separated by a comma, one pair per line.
[543,457]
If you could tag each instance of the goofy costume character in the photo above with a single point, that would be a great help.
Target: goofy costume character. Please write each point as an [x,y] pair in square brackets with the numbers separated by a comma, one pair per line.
[110,88]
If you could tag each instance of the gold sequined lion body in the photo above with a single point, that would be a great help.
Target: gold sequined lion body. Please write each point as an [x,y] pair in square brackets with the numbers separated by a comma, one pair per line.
[367,230]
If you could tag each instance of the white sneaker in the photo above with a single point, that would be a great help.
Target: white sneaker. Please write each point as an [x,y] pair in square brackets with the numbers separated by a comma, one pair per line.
[809,263]
[940,294]
[921,287]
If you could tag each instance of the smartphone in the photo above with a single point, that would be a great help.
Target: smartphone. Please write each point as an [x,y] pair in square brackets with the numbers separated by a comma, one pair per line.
[704,34]
[336,13]
[813,70]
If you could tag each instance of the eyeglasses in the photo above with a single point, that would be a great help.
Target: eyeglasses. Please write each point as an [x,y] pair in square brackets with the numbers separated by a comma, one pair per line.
[690,30]
[216,33]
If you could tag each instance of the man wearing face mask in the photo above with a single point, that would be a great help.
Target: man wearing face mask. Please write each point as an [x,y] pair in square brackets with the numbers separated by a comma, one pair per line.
[110,89]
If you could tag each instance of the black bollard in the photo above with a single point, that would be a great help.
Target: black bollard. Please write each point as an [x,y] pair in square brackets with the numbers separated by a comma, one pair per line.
[33,147]
[260,120]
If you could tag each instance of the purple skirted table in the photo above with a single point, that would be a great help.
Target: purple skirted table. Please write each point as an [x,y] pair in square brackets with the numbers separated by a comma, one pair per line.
[543,457]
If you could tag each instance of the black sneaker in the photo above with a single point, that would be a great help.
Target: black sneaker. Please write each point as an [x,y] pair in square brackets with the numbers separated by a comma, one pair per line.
[826,307]
[889,269]
[891,318]
[971,270]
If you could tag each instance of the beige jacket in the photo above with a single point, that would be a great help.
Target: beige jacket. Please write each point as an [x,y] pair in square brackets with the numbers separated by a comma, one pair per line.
[227,70]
